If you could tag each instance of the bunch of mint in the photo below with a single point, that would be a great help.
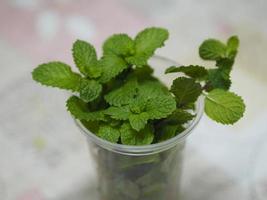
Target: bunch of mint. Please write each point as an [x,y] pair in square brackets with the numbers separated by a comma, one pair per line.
[117,97]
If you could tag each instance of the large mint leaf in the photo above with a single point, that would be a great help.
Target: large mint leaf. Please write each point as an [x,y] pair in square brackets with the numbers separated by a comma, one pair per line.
[79,109]
[57,74]
[109,133]
[112,66]
[130,136]
[186,90]
[84,56]
[89,90]
[224,107]
[119,44]
[212,49]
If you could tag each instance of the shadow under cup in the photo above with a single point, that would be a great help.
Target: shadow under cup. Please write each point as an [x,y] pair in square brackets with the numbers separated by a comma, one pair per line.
[148,172]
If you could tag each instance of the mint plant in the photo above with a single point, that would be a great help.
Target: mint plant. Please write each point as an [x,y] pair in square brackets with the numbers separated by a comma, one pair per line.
[118,98]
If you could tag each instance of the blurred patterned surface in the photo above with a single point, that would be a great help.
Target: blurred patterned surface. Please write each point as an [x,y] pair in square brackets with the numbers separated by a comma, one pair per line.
[42,154]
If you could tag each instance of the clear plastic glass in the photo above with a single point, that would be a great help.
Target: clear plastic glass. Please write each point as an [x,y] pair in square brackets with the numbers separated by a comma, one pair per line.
[149,172]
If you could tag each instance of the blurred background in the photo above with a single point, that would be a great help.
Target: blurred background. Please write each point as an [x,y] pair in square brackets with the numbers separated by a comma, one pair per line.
[42,154]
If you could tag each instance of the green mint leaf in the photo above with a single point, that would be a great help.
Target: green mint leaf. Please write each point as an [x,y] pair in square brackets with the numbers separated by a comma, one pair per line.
[89,90]
[152,89]
[224,107]
[179,116]
[137,60]
[138,105]
[193,71]
[225,64]
[123,95]
[138,121]
[160,107]
[57,74]
[212,49]
[79,109]
[169,131]
[218,78]
[85,58]
[186,90]
[112,66]
[119,113]
[148,40]
[109,133]
[130,136]
[232,47]
[119,44]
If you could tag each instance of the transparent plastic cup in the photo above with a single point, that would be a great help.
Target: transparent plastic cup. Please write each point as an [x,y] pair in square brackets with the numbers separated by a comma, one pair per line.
[148,172]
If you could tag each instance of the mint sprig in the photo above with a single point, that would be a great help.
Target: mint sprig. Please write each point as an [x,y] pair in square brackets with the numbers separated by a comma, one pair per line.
[121,101]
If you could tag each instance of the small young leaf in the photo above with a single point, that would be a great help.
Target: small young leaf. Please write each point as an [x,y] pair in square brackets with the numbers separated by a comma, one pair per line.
[89,90]
[212,49]
[137,60]
[138,121]
[123,95]
[111,65]
[130,136]
[186,90]
[225,64]
[148,40]
[224,107]
[80,110]
[109,133]
[218,78]
[84,56]
[119,44]
[232,47]
[194,71]
[57,74]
